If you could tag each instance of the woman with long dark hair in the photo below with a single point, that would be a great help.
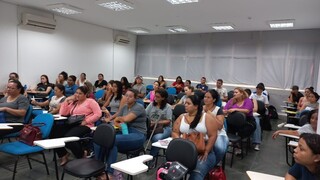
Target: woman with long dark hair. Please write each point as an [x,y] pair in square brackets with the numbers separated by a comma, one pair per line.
[196,120]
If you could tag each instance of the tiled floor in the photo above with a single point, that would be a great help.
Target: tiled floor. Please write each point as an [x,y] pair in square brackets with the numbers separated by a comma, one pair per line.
[270,159]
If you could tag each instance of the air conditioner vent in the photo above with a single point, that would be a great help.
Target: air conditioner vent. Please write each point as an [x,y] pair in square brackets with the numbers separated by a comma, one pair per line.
[122,40]
[38,21]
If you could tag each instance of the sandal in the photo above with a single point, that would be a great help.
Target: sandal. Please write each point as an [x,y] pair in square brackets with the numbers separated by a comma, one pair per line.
[103,176]
[64,159]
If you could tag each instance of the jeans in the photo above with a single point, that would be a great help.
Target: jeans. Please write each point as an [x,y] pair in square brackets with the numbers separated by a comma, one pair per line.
[166,133]
[133,140]
[203,167]
[256,136]
[220,147]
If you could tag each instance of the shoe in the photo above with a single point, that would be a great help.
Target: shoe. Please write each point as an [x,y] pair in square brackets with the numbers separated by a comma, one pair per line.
[64,159]
[102,176]
[151,164]
[238,151]
[257,147]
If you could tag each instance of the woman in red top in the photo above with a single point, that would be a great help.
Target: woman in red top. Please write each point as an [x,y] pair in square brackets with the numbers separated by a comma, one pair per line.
[178,84]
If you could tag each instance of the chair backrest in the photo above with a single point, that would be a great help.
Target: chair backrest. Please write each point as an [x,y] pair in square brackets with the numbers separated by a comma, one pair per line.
[170,99]
[98,94]
[183,151]
[51,93]
[199,93]
[178,110]
[47,120]
[104,136]
[261,108]
[27,117]
[180,95]
[230,94]
[171,90]
[303,120]
[236,119]
[149,88]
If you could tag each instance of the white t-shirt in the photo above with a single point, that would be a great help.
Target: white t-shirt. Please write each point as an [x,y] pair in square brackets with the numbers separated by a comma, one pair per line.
[261,97]
[222,92]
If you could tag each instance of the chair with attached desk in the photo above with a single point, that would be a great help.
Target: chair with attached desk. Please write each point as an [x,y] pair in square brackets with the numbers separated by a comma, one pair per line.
[104,136]
[19,149]
[183,151]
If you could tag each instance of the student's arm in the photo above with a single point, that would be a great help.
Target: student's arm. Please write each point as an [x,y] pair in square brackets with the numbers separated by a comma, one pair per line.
[41,104]
[289,177]
[176,127]
[122,103]
[212,131]
[289,132]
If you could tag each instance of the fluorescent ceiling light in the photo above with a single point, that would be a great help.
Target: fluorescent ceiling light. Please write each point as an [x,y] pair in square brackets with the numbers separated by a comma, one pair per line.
[281,24]
[119,5]
[223,27]
[139,30]
[64,9]
[182,1]
[176,29]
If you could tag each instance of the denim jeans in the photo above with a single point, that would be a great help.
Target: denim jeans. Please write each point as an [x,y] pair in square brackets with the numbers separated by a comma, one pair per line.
[256,136]
[133,140]
[166,133]
[220,147]
[203,167]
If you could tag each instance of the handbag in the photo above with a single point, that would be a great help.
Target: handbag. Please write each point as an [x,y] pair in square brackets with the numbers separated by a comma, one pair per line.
[75,119]
[198,139]
[217,173]
[30,133]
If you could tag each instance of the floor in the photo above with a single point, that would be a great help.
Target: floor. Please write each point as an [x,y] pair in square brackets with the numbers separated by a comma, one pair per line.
[270,159]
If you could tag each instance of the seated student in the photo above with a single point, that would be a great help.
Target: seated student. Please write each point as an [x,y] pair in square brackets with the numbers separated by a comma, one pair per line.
[256,137]
[188,90]
[134,115]
[55,101]
[125,84]
[100,83]
[62,78]
[78,104]
[106,94]
[187,83]
[195,119]
[160,112]
[43,89]
[71,87]
[312,103]
[221,90]
[82,79]
[211,108]
[152,93]
[139,86]
[307,158]
[202,86]
[259,96]
[311,127]
[14,106]
[304,99]
[178,84]
[295,95]
[163,83]
[90,87]
[12,76]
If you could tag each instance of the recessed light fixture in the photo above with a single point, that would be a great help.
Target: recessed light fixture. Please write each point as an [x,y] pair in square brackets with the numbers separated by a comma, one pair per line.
[119,5]
[177,29]
[223,27]
[63,8]
[277,24]
[182,1]
[139,30]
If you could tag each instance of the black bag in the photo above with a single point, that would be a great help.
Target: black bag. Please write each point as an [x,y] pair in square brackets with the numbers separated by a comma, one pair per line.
[273,114]
[75,119]
[265,123]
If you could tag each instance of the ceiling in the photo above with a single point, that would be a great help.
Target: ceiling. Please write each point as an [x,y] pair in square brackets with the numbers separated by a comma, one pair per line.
[155,15]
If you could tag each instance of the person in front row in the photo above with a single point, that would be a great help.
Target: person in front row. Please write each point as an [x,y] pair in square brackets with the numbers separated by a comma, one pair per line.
[196,120]
[78,104]
[307,158]
[14,106]
[134,116]
[159,110]
[310,127]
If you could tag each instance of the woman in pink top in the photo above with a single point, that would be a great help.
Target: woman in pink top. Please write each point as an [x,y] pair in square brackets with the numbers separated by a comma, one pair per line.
[78,104]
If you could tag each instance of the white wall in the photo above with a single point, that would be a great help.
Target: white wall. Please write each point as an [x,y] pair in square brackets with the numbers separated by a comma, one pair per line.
[74,47]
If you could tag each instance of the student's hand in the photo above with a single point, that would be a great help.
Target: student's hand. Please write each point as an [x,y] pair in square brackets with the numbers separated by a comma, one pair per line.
[203,157]
[34,102]
[275,134]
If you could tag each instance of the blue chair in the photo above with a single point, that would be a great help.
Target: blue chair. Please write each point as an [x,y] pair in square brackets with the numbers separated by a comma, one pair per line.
[149,88]
[19,149]
[98,94]
[171,91]
[26,120]
[51,94]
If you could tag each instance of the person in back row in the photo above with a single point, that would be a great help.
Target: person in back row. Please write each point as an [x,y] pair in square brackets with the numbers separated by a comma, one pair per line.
[62,78]
[221,90]
[202,86]
[295,95]
[140,87]
[43,89]
[100,83]
[71,86]
[178,84]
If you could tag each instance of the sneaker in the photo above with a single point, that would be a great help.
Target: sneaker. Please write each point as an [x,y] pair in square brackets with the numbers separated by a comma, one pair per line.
[151,164]
[257,147]
[238,151]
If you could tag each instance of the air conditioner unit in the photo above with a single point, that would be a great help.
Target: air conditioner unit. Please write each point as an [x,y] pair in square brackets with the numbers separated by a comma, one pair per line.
[38,21]
[122,40]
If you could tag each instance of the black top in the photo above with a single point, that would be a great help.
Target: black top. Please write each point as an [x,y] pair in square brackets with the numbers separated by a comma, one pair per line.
[101,84]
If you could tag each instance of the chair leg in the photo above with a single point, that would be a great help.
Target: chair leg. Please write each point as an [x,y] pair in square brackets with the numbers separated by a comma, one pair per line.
[15,168]
[45,162]
[232,155]
[29,162]
[62,175]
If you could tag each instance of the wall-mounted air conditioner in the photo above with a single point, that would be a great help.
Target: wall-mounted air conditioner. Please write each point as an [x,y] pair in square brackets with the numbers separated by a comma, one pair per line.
[122,40]
[38,21]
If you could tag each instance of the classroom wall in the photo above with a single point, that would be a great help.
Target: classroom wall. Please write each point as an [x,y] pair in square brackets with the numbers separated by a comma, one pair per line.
[74,47]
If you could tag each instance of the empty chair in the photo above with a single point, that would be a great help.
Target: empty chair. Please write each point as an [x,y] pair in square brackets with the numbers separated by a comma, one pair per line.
[171,91]
[104,136]
[98,94]
[178,110]
[149,88]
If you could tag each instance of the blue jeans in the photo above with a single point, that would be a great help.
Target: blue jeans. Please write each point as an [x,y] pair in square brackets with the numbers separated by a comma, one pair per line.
[166,133]
[203,167]
[220,147]
[256,136]
[133,140]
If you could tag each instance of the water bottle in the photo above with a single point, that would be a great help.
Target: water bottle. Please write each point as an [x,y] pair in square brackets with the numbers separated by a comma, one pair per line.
[124,128]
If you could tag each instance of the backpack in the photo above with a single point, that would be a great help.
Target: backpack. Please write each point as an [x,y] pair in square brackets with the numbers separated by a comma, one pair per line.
[273,114]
